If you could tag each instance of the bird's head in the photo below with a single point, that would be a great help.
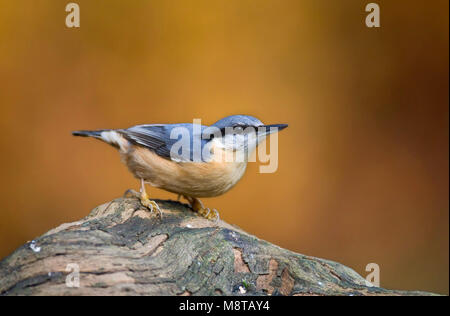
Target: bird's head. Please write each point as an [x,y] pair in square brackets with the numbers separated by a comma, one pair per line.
[241,132]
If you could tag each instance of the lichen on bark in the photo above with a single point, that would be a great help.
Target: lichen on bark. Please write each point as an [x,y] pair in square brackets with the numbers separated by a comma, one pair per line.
[122,249]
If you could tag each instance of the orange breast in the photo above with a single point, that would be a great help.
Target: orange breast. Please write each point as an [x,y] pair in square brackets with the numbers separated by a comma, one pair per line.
[196,179]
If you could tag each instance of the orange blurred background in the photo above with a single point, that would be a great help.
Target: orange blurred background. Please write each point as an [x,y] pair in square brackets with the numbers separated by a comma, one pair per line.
[363,167]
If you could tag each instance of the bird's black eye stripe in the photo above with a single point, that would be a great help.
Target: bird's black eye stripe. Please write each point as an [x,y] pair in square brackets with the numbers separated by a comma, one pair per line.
[237,128]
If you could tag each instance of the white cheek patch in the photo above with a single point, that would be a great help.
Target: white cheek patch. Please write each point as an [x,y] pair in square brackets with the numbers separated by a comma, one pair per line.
[112,137]
[225,142]
[233,142]
[218,143]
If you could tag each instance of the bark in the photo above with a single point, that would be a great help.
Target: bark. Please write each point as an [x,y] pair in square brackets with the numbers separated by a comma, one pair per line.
[121,249]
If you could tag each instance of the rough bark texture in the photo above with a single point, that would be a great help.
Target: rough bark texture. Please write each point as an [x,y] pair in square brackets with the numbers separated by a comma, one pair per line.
[122,249]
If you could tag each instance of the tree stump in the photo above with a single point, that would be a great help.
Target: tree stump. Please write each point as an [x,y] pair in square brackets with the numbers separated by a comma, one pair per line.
[122,249]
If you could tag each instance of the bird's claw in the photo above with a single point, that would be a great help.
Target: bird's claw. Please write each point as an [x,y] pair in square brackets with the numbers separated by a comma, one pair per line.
[151,205]
[209,214]
[145,201]
[213,215]
[203,211]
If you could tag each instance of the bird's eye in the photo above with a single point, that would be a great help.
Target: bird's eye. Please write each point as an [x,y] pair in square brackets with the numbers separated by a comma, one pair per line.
[239,129]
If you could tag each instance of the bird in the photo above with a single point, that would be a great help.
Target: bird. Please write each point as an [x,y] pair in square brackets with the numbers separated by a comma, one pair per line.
[188,159]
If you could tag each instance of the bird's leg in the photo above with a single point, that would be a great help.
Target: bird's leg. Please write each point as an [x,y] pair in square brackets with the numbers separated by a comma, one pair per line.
[144,198]
[150,204]
[198,207]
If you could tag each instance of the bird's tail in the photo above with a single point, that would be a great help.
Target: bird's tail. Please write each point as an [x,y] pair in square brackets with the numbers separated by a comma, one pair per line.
[107,135]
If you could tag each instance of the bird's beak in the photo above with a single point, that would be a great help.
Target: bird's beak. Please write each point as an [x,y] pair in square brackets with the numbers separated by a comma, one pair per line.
[273,128]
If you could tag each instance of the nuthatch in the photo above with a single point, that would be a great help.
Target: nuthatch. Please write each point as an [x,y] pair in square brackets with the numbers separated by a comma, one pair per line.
[151,153]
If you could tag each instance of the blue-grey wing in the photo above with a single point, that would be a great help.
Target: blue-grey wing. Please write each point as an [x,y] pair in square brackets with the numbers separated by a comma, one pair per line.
[157,137]
[154,137]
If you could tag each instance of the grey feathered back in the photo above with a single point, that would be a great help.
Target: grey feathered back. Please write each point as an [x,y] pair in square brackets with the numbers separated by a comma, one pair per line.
[157,137]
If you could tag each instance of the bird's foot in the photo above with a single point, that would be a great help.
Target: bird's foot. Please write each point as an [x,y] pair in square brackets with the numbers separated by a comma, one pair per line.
[150,204]
[145,201]
[206,212]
